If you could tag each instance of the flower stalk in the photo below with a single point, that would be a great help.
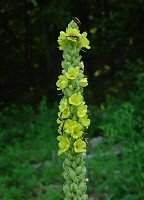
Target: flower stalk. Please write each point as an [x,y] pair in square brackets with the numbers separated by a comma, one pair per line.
[73,112]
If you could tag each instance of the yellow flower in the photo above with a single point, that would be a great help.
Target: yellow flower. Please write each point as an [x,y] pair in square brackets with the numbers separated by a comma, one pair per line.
[77,131]
[84,42]
[62,40]
[79,146]
[83,82]
[75,99]
[62,82]
[63,104]
[81,110]
[72,73]
[64,109]
[84,121]
[70,126]
[72,34]
[66,113]
[64,144]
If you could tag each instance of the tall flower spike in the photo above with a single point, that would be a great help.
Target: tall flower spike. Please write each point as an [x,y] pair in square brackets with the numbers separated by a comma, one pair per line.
[72,116]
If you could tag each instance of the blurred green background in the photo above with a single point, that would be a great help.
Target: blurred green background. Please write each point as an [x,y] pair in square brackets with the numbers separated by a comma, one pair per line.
[30,64]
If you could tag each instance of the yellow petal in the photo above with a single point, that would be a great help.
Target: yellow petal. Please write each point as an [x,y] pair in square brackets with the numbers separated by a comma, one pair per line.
[83,82]
[81,110]
[72,73]
[75,99]
[79,146]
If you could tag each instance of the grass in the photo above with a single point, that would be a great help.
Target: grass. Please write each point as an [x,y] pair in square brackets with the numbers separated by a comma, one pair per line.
[28,160]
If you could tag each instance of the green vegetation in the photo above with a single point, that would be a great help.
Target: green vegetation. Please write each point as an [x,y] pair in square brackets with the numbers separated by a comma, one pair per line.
[30,65]
[116,170]
[28,162]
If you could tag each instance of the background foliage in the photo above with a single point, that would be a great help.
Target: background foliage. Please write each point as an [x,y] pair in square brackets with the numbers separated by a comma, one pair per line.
[28,35]
[30,64]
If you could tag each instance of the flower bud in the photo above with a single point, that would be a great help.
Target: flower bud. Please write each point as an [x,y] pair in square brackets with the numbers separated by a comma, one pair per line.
[83,82]
[79,192]
[66,167]
[72,109]
[68,92]
[68,57]
[70,156]
[78,160]
[72,174]
[82,162]
[80,75]
[76,84]
[78,170]
[84,155]
[63,71]
[74,117]
[69,194]
[70,87]
[81,177]
[84,170]
[67,162]
[84,197]
[74,164]
[73,187]
[65,188]
[77,197]
[82,187]
[65,175]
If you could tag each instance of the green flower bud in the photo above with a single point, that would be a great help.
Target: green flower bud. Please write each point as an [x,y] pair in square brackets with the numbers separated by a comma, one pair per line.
[70,87]
[81,177]
[68,57]
[78,160]
[65,175]
[68,92]
[76,180]
[75,84]
[72,109]
[78,170]
[70,157]
[74,165]
[69,194]
[82,162]
[84,197]
[79,192]
[63,71]
[80,89]
[84,170]
[67,162]
[72,174]
[73,187]
[65,188]
[82,187]
[80,75]
[74,117]
[84,155]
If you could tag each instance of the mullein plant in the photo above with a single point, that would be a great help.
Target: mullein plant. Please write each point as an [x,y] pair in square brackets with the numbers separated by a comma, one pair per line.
[73,118]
